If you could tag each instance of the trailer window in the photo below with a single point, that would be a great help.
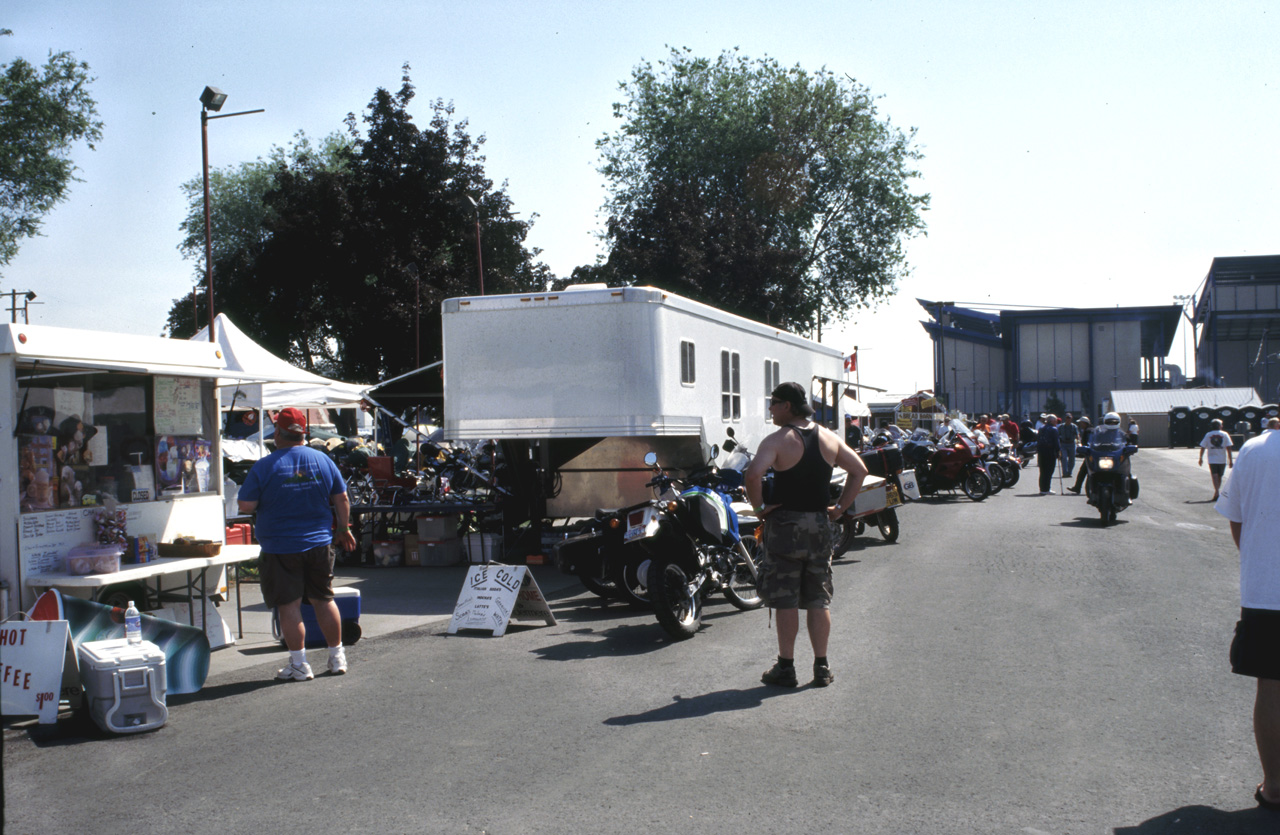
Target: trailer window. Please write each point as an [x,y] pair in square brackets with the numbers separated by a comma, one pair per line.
[84,438]
[730,386]
[771,379]
[688,371]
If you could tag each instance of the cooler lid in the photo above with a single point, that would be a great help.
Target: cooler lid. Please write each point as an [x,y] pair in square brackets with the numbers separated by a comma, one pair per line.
[118,652]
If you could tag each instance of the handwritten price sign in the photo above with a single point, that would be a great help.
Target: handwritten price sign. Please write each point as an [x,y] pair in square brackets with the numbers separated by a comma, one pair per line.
[492,595]
[31,657]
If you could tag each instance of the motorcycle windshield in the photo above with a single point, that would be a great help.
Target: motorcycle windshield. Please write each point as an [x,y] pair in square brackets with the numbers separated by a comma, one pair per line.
[1107,438]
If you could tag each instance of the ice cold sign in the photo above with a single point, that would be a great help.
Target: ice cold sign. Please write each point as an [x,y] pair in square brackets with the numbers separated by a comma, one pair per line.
[492,595]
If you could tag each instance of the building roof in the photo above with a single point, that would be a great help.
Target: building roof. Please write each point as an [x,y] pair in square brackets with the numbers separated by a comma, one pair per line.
[1160,401]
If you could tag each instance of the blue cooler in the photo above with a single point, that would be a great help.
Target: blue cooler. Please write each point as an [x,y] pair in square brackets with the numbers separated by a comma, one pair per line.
[348,600]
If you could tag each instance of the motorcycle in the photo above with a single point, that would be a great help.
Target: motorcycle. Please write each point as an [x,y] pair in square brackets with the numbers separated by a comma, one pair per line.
[1110,485]
[953,462]
[1001,462]
[695,548]
[883,491]
[672,551]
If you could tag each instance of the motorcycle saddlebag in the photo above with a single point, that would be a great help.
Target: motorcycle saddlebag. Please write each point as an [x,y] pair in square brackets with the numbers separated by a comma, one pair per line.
[882,462]
[579,554]
[708,515]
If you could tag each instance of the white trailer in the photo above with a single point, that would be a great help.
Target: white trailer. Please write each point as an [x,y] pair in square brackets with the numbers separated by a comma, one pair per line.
[596,376]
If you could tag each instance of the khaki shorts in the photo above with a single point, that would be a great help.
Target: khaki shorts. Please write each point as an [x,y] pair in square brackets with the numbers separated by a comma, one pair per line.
[289,577]
[796,571]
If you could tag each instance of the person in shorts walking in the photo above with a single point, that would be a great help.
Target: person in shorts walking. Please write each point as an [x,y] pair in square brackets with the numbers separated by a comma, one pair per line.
[1218,443]
[297,492]
[1249,502]
[795,573]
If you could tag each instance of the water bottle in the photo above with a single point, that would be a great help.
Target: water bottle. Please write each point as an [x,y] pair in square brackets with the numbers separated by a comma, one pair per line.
[132,624]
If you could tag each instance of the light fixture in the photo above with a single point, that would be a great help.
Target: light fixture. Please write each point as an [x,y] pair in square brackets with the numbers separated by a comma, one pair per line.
[213,98]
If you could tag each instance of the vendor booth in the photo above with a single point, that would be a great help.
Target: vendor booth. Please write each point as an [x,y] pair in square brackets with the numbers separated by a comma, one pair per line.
[112,440]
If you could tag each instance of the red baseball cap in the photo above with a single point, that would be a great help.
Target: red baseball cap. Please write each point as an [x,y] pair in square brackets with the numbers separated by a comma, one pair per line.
[292,420]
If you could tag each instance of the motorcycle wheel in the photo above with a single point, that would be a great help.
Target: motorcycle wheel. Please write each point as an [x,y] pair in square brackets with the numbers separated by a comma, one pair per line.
[1106,511]
[741,590]
[842,535]
[677,600]
[889,524]
[995,471]
[976,485]
[1012,472]
[633,588]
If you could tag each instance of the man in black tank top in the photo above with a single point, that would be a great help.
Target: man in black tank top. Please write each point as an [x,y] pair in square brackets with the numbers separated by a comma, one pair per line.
[795,573]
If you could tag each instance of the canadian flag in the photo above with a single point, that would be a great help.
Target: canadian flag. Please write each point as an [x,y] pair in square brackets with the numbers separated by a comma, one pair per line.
[851,362]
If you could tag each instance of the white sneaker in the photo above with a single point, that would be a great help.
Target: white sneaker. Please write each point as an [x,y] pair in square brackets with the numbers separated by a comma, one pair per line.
[337,663]
[294,672]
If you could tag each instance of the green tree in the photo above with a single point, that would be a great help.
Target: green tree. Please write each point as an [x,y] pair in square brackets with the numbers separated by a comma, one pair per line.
[322,269]
[43,113]
[769,191]
[239,219]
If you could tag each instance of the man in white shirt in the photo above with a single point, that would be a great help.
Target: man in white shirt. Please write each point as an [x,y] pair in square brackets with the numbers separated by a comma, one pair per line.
[1219,445]
[1251,502]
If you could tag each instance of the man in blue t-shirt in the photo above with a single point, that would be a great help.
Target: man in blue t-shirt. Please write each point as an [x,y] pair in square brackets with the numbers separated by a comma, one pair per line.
[297,492]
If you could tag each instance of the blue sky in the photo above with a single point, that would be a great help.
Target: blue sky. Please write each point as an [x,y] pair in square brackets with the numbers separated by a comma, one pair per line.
[1077,153]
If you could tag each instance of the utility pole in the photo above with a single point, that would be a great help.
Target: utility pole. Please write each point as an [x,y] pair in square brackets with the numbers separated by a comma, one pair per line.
[27,298]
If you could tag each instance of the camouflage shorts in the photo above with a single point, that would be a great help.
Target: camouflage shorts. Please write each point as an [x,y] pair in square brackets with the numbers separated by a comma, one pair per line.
[796,572]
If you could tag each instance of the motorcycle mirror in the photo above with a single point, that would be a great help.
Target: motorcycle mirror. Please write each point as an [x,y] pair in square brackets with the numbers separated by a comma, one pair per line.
[715,451]
[651,459]
[728,431]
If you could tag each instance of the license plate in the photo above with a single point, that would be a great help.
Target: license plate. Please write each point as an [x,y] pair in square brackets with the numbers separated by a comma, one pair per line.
[641,523]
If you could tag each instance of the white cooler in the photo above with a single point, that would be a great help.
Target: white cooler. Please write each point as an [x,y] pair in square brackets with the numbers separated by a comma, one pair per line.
[124,684]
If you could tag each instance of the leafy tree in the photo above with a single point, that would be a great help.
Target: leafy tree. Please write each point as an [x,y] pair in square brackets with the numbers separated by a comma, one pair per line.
[772,192]
[239,221]
[321,265]
[43,113]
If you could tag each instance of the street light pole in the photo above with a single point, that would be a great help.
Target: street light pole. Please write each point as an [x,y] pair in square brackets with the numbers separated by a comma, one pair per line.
[479,259]
[211,99]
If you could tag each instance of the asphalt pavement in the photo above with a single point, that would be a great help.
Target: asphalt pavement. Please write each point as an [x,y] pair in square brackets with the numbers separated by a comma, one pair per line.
[1007,666]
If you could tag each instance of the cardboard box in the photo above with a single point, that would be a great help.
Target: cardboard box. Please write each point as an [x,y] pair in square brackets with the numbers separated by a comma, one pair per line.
[411,554]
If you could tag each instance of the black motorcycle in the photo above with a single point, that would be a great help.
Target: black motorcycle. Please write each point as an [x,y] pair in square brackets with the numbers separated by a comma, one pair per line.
[1110,485]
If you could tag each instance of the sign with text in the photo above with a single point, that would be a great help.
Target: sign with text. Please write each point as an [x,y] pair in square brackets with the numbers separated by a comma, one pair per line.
[32,654]
[494,594]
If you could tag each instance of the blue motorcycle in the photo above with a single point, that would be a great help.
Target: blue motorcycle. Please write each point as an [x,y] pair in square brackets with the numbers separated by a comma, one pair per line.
[1110,485]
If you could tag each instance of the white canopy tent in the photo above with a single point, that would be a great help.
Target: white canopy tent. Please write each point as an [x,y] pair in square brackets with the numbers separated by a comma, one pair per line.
[281,384]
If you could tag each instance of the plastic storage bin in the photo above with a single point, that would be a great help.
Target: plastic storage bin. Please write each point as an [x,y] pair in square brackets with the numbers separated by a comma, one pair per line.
[124,685]
[94,559]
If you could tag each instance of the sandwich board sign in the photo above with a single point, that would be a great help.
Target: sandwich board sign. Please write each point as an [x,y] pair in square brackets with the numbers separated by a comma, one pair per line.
[494,594]
[32,657]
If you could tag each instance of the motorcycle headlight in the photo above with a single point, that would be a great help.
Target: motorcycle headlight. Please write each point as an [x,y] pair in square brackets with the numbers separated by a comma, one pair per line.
[1106,463]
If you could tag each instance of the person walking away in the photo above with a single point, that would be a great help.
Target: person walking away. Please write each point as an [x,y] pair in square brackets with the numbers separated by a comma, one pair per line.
[795,573]
[1248,501]
[1068,434]
[297,492]
[1218,443]
[1047,449]
[1133,431]
[1085,427]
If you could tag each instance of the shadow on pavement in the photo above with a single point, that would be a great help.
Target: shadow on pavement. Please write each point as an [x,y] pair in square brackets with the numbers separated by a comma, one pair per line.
[619,641]
[1208,821]
[708,703]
